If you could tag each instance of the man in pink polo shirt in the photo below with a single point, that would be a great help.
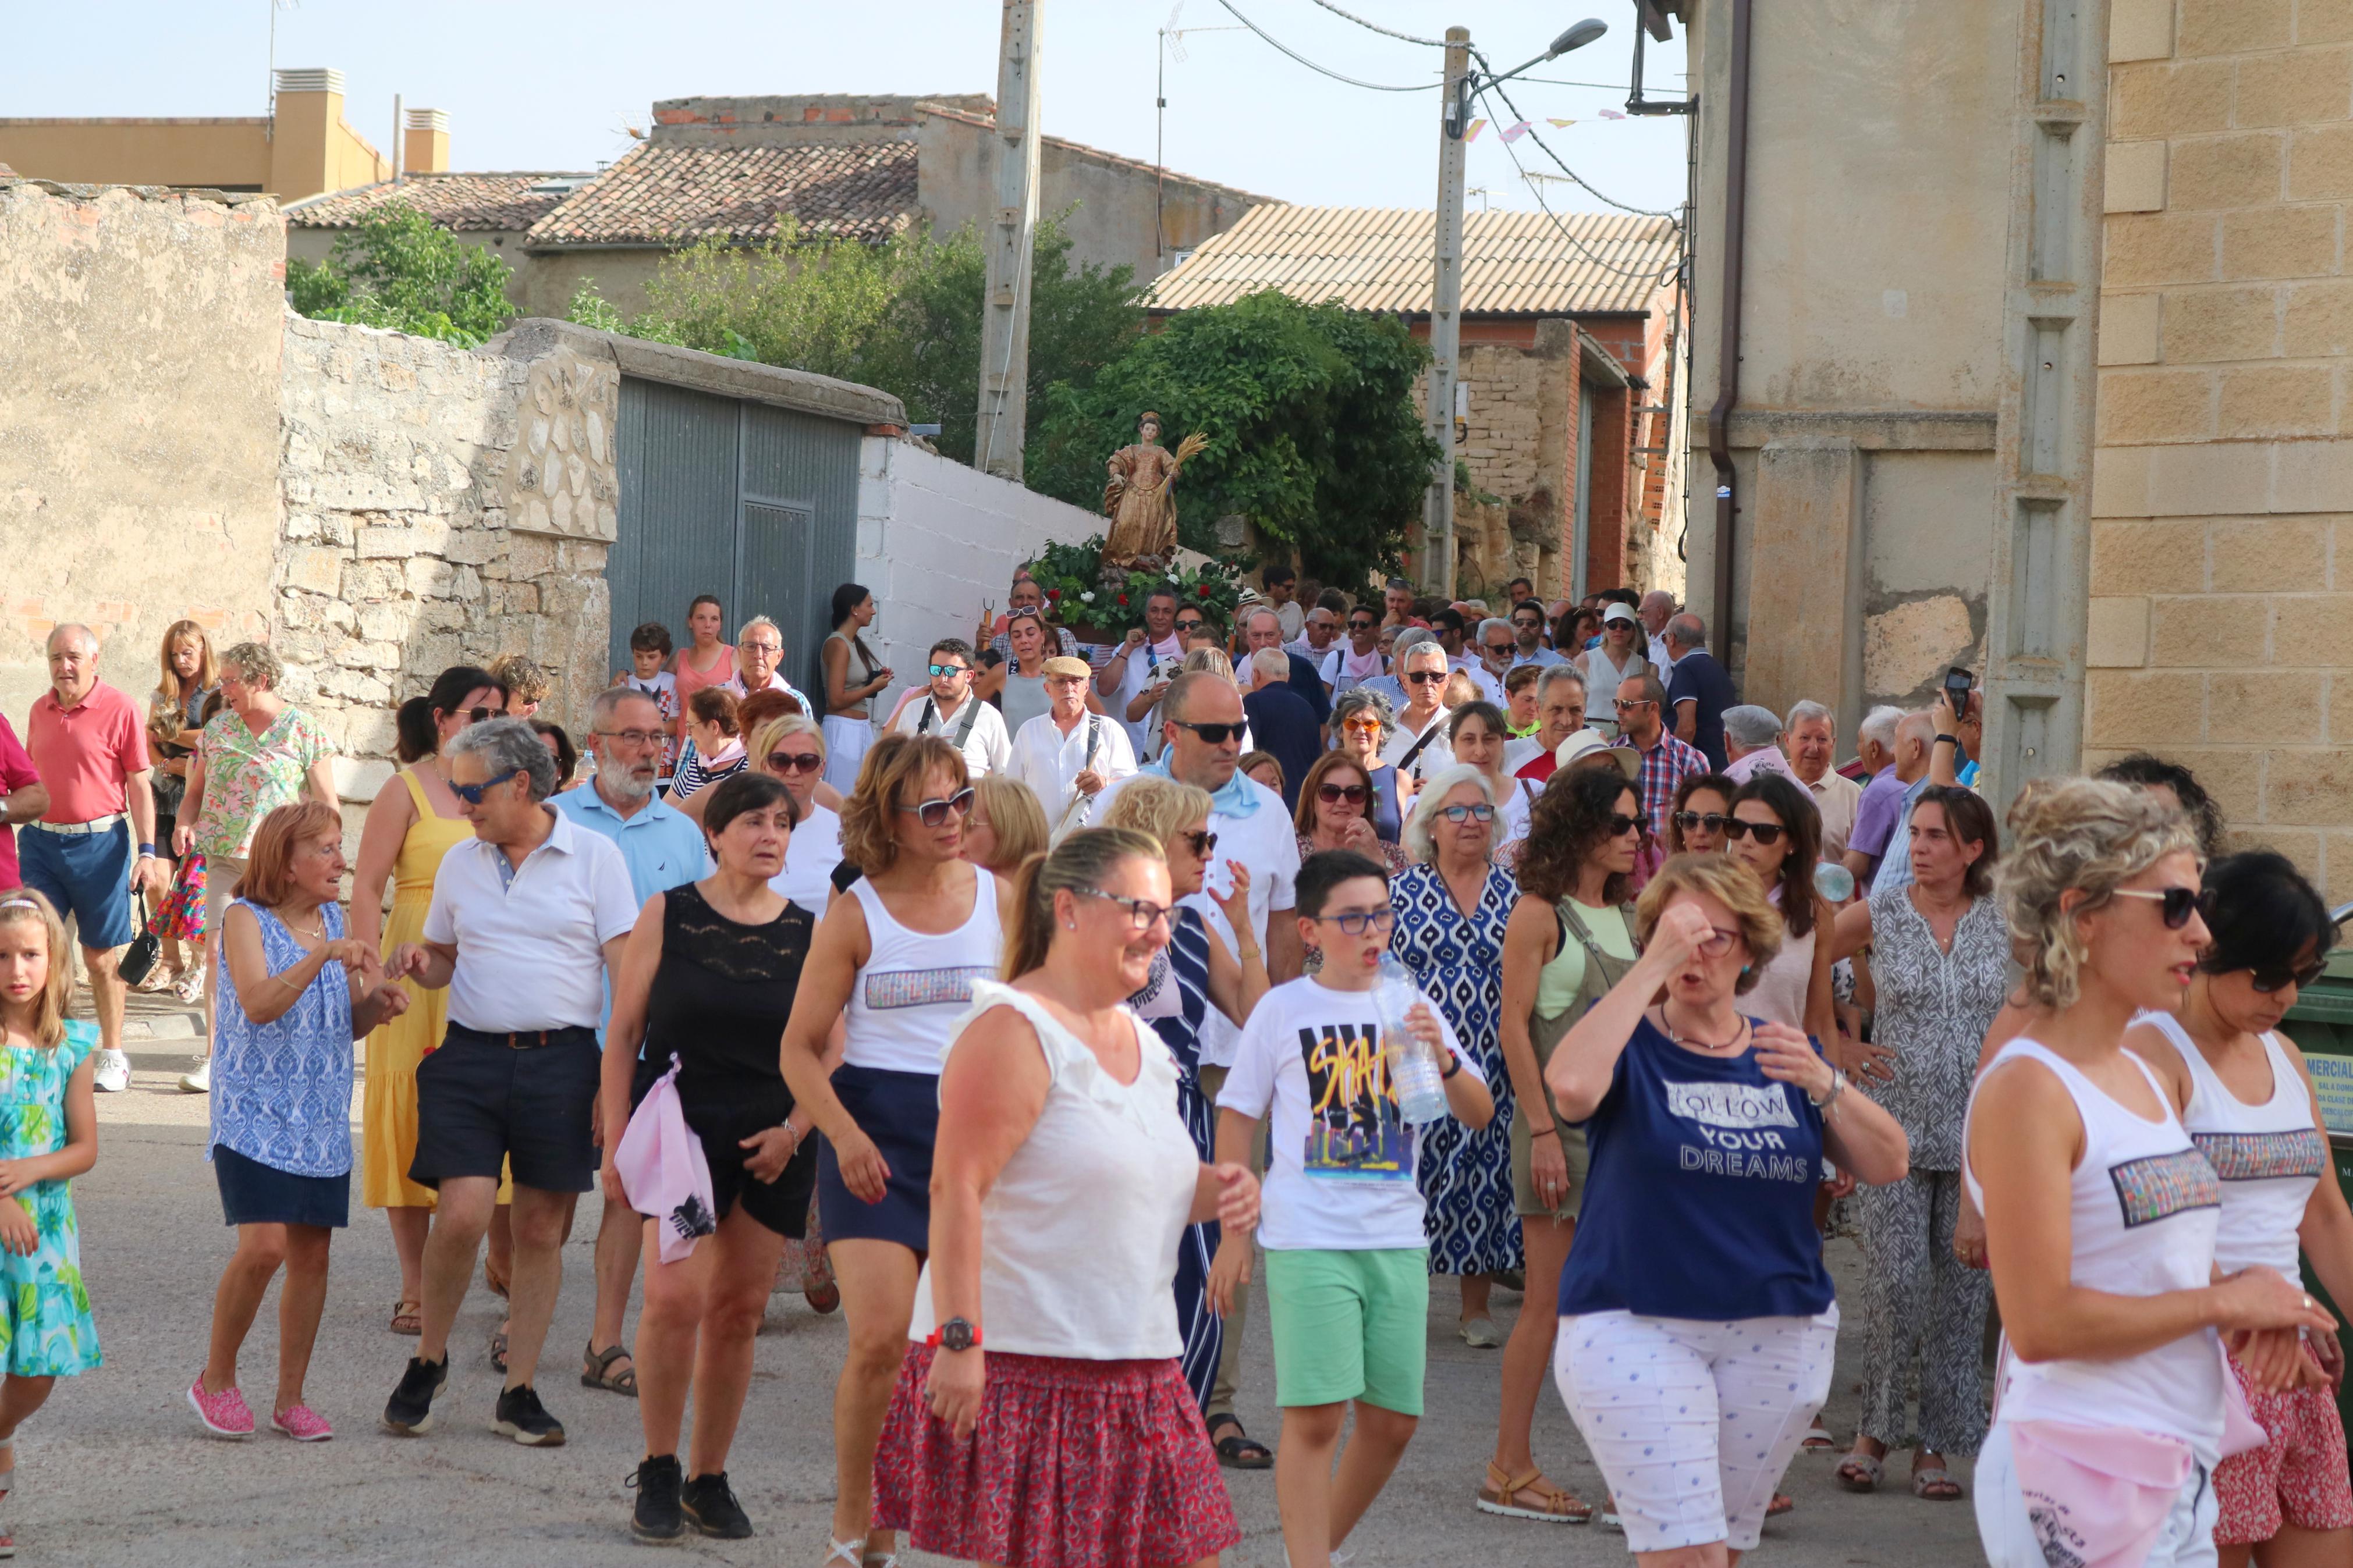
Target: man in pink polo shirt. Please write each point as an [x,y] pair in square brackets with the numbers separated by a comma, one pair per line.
[96,842]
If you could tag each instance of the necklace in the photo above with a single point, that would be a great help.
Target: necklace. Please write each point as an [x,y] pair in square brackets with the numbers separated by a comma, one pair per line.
[319,934]
[1738,1035]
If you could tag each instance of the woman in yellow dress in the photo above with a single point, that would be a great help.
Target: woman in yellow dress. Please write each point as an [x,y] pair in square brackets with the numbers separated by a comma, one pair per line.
[408,830]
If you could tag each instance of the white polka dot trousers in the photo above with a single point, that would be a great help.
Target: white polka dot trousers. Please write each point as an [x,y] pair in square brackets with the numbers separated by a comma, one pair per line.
[1692,1421]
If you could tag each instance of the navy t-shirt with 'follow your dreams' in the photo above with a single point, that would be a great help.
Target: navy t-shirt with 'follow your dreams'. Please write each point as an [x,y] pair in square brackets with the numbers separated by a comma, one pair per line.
[1700,1201]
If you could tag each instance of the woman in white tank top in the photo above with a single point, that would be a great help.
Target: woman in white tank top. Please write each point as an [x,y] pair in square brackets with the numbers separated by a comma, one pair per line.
[890,971]
[1045,1320]
[2246,1098]
[2100,1214]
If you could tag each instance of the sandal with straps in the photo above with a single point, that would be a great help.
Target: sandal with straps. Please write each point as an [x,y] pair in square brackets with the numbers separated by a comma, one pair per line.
[1500,1495]
[408,1318]
[850,1552]
[596,1370]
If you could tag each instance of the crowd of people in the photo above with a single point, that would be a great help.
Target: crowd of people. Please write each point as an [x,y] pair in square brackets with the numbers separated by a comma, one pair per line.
[1361,941]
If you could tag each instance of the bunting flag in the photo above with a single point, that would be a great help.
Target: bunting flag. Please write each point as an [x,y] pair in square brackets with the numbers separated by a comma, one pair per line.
[1611,114]
[1557,124]
[1471,133]
[1516,132]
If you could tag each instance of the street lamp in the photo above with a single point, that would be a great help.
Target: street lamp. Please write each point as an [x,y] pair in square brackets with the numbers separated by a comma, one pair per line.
[1468,87]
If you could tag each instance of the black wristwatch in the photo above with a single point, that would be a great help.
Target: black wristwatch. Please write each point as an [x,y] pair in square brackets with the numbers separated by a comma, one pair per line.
[1947,740]
[1453,1064]
[956,1334]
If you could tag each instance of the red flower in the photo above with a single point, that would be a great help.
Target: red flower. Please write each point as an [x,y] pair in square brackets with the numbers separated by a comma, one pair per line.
[1053,593]
[1122,598]
[1204,590]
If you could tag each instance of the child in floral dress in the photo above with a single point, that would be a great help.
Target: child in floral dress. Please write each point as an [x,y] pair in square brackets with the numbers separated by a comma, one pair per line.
[48,1134]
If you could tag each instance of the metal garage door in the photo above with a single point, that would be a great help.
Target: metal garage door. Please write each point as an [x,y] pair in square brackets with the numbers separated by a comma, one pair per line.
[753,504]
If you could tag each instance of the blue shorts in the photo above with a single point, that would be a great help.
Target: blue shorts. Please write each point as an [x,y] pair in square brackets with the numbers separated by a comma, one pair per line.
[901,1113]
[86,875]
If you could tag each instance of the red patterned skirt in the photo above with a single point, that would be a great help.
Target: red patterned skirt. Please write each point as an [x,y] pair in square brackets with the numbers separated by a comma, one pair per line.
[1071,1464]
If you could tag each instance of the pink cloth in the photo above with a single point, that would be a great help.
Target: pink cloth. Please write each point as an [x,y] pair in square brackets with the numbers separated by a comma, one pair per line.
[1769,760]
[663,1171]
[84,752]
[2102,1493]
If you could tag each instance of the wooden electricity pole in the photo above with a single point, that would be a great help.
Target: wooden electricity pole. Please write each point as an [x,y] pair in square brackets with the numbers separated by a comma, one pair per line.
[1013,233]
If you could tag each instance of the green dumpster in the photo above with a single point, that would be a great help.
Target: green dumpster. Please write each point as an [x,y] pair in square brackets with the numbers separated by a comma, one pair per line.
[2321,1024]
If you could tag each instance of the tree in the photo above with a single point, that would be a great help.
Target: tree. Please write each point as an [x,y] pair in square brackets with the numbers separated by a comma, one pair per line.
[399,269]
[904,316]
[1313,430]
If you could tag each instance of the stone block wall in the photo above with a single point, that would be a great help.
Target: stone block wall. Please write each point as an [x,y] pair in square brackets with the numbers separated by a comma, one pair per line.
[2221,609]
[138,381]
[422,484]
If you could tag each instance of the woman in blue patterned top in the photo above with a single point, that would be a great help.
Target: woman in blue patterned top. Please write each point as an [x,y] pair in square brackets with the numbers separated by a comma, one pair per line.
[1452,905]
[298,992]
[1193,973]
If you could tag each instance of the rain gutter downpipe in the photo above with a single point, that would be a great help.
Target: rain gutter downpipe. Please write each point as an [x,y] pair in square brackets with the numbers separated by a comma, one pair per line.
[1727,367]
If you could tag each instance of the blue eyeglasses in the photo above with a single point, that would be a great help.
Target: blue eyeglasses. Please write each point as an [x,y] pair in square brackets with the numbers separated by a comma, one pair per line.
[472,794]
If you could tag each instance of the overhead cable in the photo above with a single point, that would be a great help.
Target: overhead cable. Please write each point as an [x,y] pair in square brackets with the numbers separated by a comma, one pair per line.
[1311,64]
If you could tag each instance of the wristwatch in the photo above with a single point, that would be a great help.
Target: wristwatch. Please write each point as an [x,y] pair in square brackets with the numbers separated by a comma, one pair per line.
[1453,1064]
[956,1334]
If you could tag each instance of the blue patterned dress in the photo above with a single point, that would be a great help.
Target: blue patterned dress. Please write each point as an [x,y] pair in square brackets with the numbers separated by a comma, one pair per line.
[45,1323]
[1466,1176]
[1174,1001]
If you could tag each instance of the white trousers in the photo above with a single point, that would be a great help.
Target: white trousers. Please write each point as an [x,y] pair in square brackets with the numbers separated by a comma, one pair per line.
[846,741]
[1692,1421]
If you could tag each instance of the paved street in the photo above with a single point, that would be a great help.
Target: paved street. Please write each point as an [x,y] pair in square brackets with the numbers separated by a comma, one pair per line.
[117,1472]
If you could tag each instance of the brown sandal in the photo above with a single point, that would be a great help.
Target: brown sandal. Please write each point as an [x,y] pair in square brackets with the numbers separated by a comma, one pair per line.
[1499,1494]
[596,1370]
[408,1318]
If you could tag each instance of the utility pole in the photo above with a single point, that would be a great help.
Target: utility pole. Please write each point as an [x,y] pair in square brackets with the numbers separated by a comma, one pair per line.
[1446,321]
[1004,317]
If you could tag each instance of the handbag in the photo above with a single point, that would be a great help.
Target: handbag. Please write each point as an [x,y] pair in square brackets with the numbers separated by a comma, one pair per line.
[146,949]
[663,1171]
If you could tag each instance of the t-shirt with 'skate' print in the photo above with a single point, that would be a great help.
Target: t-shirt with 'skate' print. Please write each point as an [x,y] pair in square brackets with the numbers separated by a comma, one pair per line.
[1341,1175]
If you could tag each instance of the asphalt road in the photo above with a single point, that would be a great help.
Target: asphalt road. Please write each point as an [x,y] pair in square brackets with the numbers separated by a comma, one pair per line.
[117,1471]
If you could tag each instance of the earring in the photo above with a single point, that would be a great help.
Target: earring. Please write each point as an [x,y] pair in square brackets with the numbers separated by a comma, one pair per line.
[1070,925]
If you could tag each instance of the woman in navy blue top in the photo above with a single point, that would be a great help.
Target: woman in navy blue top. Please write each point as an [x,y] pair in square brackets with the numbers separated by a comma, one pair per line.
[1693,1369]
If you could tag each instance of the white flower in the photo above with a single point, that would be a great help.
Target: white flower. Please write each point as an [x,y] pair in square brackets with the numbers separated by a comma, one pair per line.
[1086,596]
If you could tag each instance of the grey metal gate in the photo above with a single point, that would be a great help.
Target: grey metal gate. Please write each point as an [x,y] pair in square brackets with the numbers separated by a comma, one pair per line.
[756,505]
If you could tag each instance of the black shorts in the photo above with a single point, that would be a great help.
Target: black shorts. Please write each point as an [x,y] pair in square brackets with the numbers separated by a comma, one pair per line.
[783,1205]
[481,1102]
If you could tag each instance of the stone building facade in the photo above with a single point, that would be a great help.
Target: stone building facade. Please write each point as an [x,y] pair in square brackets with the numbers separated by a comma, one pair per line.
[2222,548]
[441,506]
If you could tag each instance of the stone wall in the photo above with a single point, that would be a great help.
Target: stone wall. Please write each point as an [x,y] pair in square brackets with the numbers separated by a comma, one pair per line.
[442,507]
[139,383]
[2222,560]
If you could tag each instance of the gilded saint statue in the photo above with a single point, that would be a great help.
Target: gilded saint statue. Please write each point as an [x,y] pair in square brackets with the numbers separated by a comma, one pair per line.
[1141,499]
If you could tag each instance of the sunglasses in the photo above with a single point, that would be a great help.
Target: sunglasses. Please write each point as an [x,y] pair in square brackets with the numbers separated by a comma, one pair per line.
[477,715]
[1362,626]
[1194,625]
[1331,793]
[1357,922]
[935,812]
[1481,812]
[795,762]
[2179,903]
[1214,734]
[1203,843]
[951,669]
[1621,704]
[1766,833]
[1426,677]
[1142,913]
[1362,721]
[1714,822]
[2270,980]
[1622,826]
[1025,612]
[472,794]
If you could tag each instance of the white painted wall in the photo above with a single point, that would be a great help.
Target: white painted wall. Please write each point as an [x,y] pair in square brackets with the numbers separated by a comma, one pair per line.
[936,539]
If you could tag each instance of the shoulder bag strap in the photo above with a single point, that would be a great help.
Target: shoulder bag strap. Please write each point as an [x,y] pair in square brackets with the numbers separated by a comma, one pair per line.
[971,714]
[931,711]
[1419,742]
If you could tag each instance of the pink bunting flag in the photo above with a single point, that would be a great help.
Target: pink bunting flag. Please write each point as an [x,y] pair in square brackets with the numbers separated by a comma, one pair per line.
[1516,132]
[1611,114]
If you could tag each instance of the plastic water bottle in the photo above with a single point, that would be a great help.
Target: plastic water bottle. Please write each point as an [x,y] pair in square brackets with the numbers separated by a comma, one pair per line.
[1413,1071]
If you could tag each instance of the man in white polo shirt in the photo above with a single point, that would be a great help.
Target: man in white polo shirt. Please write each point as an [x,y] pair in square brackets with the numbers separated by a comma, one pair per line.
[526,930]
[1066,753]
[951,710]
[1202,726]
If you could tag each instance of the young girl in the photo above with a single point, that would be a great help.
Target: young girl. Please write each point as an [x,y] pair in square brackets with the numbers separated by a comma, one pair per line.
[48,1134]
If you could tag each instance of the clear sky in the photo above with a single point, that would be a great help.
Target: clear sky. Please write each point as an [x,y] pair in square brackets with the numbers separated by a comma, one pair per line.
[537,84]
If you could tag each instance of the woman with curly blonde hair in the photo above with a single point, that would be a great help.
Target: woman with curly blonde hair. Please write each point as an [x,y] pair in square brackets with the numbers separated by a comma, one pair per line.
[1708,1125]
[2100,1212]
[892,967]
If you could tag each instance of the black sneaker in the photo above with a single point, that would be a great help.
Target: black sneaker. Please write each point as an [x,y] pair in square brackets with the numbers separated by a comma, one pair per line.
[656,1517]
[524,1418]
[711,1503]
[409,1412]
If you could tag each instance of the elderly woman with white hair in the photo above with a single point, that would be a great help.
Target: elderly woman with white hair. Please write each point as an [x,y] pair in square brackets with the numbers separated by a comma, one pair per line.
[256,754]
[1452,905]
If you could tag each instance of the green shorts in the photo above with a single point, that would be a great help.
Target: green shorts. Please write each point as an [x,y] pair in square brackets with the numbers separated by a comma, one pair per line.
[1350,1325]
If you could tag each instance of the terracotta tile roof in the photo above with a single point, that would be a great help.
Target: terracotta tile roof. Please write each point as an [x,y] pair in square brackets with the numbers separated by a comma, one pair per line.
[1378,258]
[675,195]
[461,202]
[1113,160]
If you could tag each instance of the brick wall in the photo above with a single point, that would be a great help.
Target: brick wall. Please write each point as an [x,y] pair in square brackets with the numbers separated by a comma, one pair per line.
[2221,610]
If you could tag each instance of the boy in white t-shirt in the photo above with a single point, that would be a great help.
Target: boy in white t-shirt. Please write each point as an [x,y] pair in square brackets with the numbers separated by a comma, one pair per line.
[1347,1269]
[649,651]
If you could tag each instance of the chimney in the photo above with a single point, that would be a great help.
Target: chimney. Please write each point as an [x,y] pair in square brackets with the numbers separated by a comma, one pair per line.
[305,132]
[426,148]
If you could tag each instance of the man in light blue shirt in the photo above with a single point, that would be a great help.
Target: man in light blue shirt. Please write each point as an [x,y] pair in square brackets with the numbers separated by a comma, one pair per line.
[663,847]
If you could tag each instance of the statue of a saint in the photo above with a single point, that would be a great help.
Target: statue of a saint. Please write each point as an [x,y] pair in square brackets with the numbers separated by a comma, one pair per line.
[1141,499]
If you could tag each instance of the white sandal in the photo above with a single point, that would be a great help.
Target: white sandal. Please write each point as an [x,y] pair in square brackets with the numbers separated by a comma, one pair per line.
[847,1550]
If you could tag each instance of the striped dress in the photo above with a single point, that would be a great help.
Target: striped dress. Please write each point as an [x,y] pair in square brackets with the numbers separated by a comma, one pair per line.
[1174,1002]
